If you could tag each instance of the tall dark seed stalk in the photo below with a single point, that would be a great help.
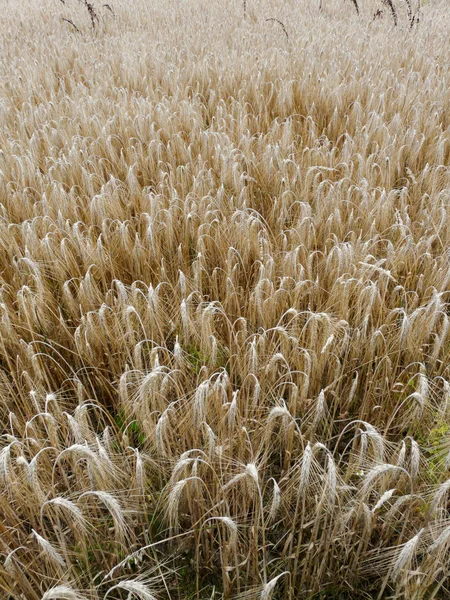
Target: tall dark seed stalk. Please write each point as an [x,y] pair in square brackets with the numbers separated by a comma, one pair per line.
[391,7]
[355,3]
[282,25]
[410,13]
[92,13]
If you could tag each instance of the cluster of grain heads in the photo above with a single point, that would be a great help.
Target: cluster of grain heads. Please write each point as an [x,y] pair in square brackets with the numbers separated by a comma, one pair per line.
[224,331]
[62,499]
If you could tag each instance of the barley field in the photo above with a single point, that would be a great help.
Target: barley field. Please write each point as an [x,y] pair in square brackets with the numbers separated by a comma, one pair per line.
[224,300]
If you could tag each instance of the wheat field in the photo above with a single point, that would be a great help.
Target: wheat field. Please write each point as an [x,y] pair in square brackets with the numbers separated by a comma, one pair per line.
[224,300]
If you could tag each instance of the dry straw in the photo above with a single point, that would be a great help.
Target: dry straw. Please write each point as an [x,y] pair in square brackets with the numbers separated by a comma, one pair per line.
[224,274]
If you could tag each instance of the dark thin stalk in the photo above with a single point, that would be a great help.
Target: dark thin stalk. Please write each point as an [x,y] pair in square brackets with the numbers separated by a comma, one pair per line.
[355,3]
[391,6]
[92,13]
[111,10]
[71,23]
[282,25]
[410,13]
[378,14]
